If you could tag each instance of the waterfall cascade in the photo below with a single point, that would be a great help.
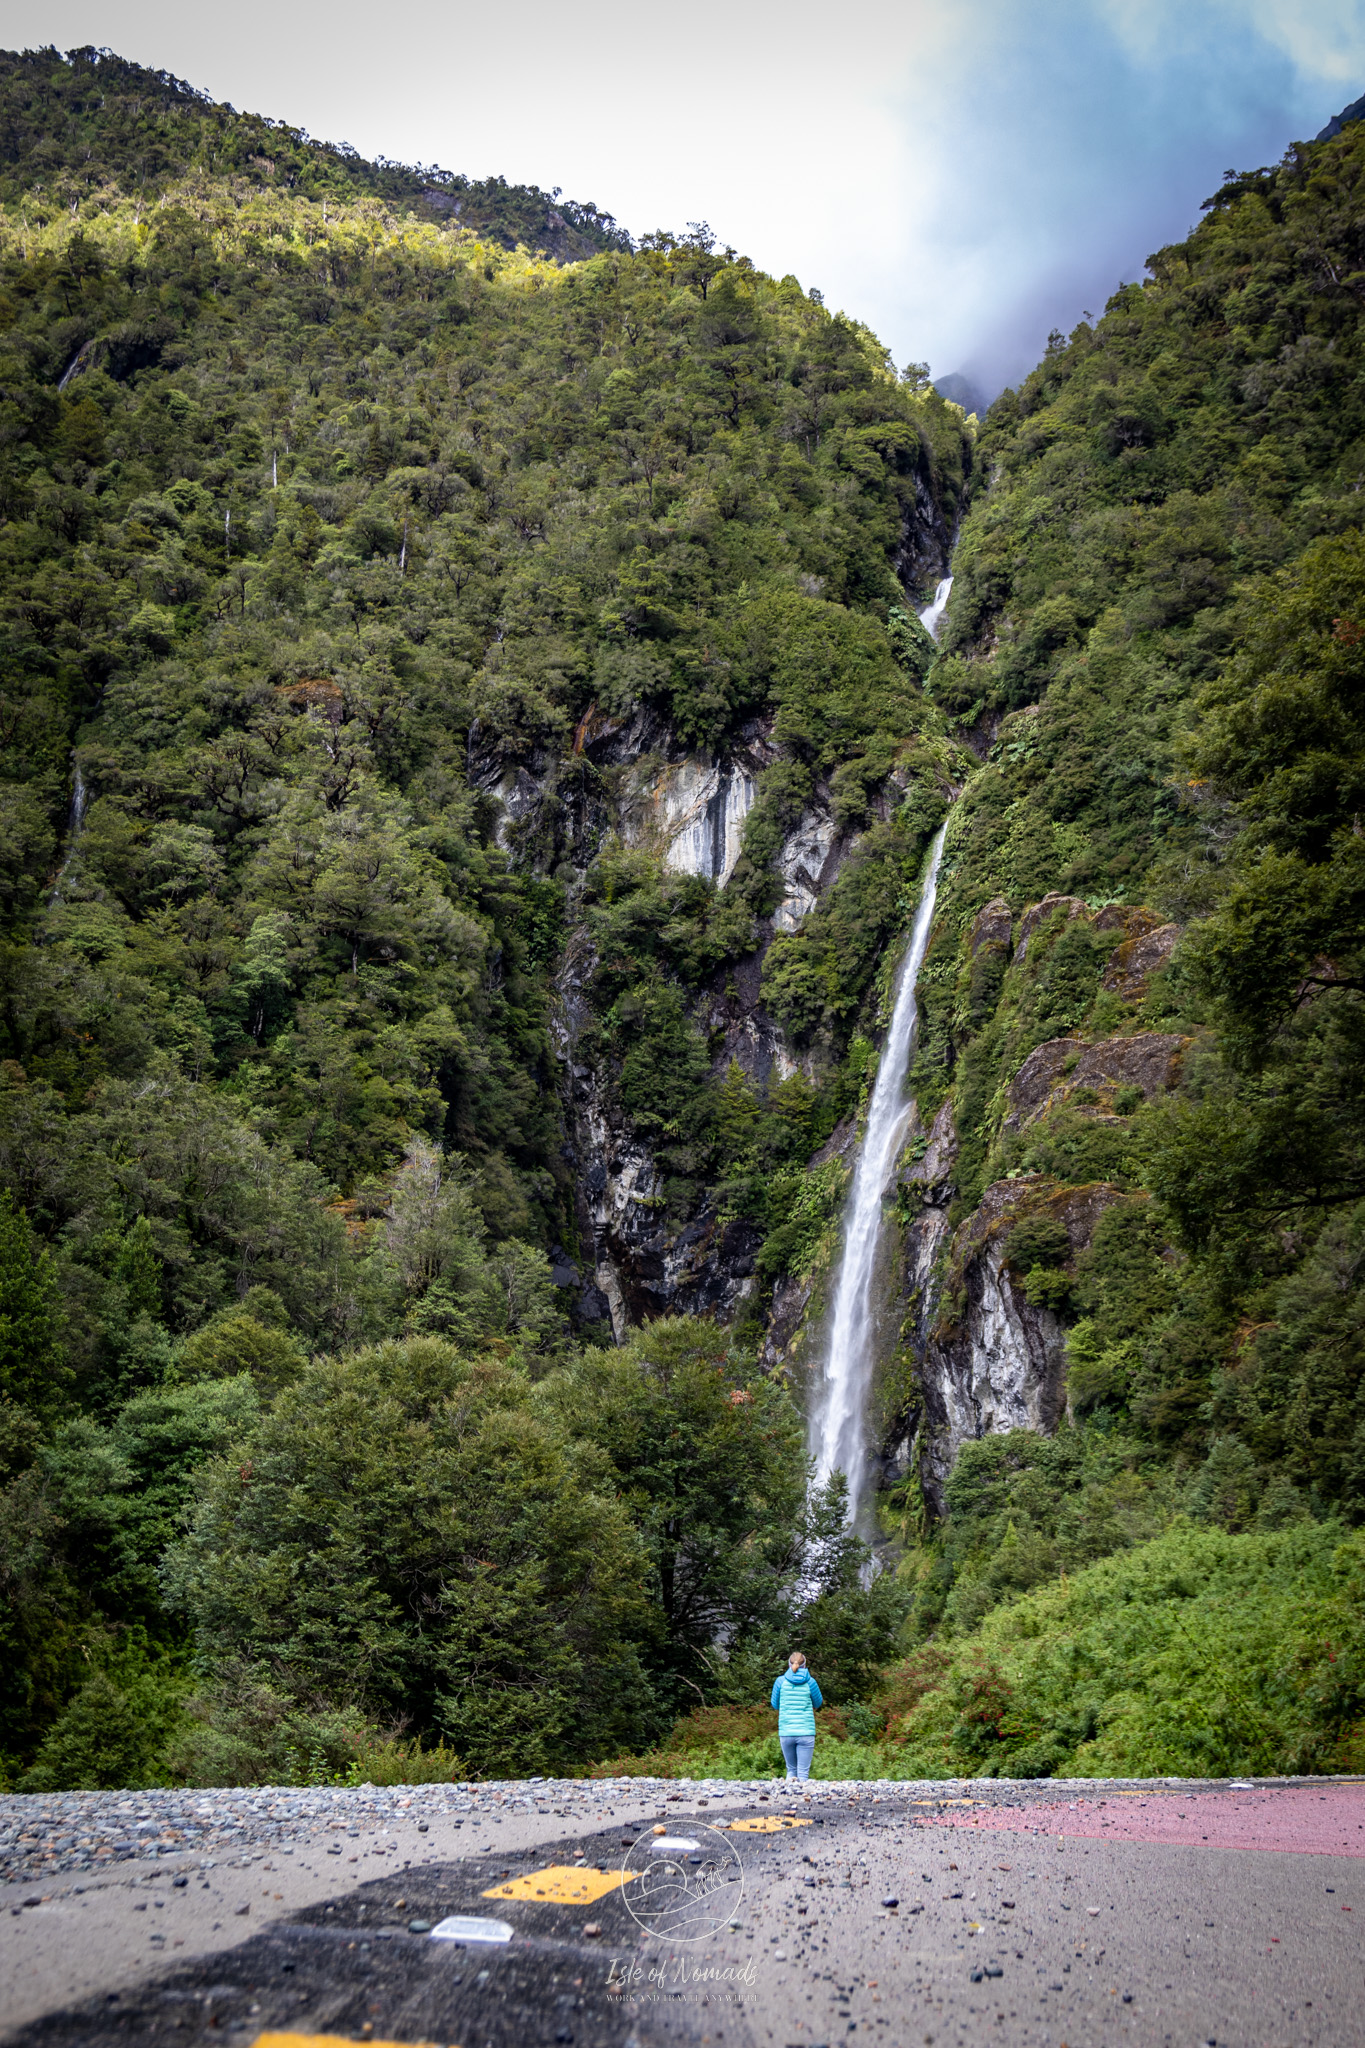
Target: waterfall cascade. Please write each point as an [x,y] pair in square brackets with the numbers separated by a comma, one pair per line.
[75,824]
[931,618]
[836,1434]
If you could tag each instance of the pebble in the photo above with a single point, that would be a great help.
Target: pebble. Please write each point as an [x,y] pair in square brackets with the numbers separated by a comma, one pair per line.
[44,1834]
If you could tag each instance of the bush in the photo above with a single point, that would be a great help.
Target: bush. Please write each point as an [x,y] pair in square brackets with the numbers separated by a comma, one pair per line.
[1199,1654]
[244,1732]
[113,1734]
[414,1534]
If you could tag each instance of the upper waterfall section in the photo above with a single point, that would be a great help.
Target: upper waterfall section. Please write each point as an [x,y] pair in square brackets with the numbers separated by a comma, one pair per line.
[931,618]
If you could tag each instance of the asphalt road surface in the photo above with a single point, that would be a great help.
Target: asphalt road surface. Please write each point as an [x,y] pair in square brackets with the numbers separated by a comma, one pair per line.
[938,1915]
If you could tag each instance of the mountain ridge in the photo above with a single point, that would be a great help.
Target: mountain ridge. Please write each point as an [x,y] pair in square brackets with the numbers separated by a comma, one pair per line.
[77,117]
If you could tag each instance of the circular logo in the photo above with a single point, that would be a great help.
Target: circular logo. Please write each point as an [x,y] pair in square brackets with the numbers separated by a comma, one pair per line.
[683,1886]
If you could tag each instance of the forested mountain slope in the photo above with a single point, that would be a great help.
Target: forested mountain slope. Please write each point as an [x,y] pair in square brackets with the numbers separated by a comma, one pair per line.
[1142,1054]
[1121,1404]
[74,126]
[468,756]
[377,602]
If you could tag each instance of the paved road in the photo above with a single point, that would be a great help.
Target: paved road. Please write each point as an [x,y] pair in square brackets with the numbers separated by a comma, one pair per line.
[1053,1915]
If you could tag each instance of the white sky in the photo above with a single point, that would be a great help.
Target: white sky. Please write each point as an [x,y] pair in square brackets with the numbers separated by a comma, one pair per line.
[961,174]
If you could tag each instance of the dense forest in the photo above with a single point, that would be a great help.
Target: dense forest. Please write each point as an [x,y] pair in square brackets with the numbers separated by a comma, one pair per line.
[377,551]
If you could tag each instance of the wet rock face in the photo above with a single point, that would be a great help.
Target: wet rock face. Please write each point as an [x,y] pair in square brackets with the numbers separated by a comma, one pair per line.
[693,810]
[926,543]
[993,1361]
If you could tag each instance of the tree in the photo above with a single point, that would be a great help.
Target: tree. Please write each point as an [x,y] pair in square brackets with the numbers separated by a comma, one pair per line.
[31,1364]
[412,1532]
[708,1460]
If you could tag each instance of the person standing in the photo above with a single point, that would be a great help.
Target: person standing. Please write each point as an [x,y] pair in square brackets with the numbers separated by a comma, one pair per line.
[795,1697]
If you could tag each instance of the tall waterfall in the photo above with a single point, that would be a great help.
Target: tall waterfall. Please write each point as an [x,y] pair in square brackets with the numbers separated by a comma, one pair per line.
[931,618]
[837,1442]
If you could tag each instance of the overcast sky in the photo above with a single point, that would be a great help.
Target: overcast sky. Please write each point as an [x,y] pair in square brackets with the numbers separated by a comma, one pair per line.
[963,175]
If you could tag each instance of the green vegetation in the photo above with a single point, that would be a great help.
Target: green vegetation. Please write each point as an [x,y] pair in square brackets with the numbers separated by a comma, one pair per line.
[325,500]
[89,123]
[1195,1654]
[340,502]
[1155,637]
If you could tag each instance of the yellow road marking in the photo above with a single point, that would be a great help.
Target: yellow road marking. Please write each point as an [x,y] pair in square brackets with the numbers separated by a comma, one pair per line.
[331,2041]
[562,1884]
[770,1823]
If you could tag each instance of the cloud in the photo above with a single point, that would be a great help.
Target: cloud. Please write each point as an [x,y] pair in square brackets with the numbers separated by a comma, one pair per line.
[1089,135]
[961,174]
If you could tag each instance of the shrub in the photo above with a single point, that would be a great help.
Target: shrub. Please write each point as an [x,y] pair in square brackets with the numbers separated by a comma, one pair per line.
[113,1734]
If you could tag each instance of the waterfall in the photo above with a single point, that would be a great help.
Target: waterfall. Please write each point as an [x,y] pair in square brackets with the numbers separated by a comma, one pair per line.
[74,825]
[931,618]
[837,1422]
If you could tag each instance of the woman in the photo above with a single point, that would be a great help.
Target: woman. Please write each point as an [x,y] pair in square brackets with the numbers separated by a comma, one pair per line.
[796,1696]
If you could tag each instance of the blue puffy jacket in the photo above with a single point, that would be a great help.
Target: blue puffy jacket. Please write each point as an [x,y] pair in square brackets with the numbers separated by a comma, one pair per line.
[796,1696]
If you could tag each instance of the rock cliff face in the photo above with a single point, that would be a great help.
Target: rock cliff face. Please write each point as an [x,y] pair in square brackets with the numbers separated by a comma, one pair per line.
[967,1352]
[631,778]
[1058,1071]
[638,1269]
[988,1359]
[977,1355]
[692,811]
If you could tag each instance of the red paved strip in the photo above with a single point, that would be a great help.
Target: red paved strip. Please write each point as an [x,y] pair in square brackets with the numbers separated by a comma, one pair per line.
[1299,1820]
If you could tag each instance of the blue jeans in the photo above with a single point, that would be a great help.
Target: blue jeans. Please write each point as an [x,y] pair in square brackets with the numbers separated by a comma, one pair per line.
[798,1751]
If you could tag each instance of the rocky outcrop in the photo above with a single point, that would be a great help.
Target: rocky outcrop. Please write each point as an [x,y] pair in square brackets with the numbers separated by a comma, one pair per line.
[987,1359]
[807,864]
[992,927]
[1061,1068]
[931,1157]
[639,1268]
[692,811]
[926,543]
[740,1029]
[1039,914]
[1131,965]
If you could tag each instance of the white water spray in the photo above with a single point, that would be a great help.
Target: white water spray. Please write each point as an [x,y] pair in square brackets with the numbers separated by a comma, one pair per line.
[837,1443]
[931,618]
